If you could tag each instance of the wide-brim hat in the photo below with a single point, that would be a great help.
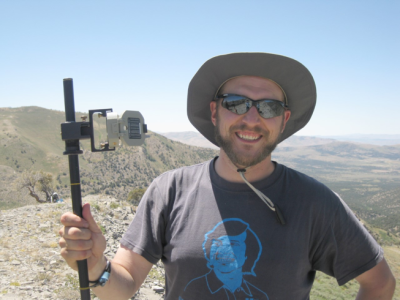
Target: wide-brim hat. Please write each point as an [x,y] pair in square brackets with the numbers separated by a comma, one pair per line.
[294,78]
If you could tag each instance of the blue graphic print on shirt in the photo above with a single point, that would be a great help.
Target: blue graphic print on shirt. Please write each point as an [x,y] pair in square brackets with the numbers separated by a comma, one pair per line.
[232,250]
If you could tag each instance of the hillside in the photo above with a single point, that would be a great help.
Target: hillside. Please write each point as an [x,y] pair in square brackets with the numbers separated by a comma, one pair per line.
[117,173]
[367,177]
[190,138]
[30,140]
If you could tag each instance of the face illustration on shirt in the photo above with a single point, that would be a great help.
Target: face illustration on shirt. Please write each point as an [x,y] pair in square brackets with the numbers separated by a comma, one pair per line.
[231,249]
[228,254]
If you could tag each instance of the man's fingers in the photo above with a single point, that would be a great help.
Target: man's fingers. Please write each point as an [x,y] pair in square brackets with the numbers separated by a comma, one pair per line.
[71,256]
[74,233]
[87,215]
[76,245]
[71,220]
[81,239]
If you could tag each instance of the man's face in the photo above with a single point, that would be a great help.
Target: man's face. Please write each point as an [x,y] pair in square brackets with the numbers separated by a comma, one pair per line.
[249,138]
[228,254]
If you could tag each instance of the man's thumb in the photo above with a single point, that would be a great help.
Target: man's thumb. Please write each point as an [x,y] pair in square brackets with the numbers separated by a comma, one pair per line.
[87,215]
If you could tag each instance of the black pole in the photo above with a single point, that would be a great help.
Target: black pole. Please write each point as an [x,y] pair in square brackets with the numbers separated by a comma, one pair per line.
[72,149]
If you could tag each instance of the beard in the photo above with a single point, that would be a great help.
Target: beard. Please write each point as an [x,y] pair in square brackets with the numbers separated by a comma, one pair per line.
[239,159]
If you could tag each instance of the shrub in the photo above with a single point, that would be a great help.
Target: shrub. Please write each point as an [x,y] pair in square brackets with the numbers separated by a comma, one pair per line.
[136,195]
[114,205]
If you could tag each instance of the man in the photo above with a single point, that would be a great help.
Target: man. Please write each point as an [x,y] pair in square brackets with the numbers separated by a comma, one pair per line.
[247,103]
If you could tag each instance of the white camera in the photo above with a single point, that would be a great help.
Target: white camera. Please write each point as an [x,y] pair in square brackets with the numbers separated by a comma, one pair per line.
[128,128]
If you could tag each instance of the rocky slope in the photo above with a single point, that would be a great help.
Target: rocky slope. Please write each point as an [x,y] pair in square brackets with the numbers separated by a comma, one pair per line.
[31,266]
[30,263]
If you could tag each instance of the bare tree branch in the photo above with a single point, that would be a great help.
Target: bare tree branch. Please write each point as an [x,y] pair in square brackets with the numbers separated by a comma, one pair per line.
[42,181]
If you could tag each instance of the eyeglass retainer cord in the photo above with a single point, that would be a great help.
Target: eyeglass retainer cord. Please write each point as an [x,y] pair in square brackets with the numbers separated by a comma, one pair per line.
[264,198]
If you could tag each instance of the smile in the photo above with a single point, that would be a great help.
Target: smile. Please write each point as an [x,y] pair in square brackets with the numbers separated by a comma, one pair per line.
[248,137]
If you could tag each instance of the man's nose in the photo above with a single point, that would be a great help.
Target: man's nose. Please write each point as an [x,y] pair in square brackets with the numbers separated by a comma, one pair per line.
[252,116]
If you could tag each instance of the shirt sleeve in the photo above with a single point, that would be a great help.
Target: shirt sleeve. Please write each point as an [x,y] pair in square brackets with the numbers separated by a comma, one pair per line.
[346,249]
[145,235]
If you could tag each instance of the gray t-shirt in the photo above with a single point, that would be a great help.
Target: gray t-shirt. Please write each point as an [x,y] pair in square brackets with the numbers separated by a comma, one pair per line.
[218,240]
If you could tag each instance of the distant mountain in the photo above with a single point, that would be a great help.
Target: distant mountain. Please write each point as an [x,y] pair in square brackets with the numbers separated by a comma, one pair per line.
[374,139]
[302,141]
[196,139]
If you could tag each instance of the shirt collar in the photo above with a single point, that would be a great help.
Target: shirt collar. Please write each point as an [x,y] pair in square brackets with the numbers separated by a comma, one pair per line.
[242,186]
[214,284]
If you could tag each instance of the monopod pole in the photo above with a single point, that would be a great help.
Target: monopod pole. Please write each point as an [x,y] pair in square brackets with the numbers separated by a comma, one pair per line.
[72,149]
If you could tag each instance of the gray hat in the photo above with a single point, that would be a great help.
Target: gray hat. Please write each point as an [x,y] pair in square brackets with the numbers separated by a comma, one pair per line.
[294,79]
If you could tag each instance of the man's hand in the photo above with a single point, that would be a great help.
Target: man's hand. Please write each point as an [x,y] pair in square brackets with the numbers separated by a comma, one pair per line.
[82,239]
[376,283]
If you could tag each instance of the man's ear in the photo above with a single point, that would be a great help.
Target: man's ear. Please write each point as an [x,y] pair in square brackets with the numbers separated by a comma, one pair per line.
[213,108]
[286,117]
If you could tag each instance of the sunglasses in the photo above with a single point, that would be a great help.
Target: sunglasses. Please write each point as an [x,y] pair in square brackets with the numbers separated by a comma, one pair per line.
[267,108]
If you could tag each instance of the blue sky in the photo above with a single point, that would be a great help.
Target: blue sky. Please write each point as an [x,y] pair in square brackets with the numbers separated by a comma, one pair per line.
[141,55]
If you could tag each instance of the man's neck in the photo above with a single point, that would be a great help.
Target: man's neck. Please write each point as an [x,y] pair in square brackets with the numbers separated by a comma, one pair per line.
[228,171]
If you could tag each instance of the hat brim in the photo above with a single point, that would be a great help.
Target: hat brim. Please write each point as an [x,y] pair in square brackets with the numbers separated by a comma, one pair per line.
[294,78]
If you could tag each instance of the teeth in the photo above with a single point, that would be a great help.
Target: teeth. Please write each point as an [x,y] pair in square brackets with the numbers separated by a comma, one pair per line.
[248,137]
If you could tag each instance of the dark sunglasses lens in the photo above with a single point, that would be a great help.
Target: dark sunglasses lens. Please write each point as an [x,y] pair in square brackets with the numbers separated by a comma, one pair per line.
[270,109]
[235,104]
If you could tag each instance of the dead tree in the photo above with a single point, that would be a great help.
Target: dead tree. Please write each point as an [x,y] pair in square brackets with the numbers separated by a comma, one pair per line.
[36,181]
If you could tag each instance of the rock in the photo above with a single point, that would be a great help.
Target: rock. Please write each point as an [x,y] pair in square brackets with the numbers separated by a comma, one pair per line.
[157,289]
[35,269]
